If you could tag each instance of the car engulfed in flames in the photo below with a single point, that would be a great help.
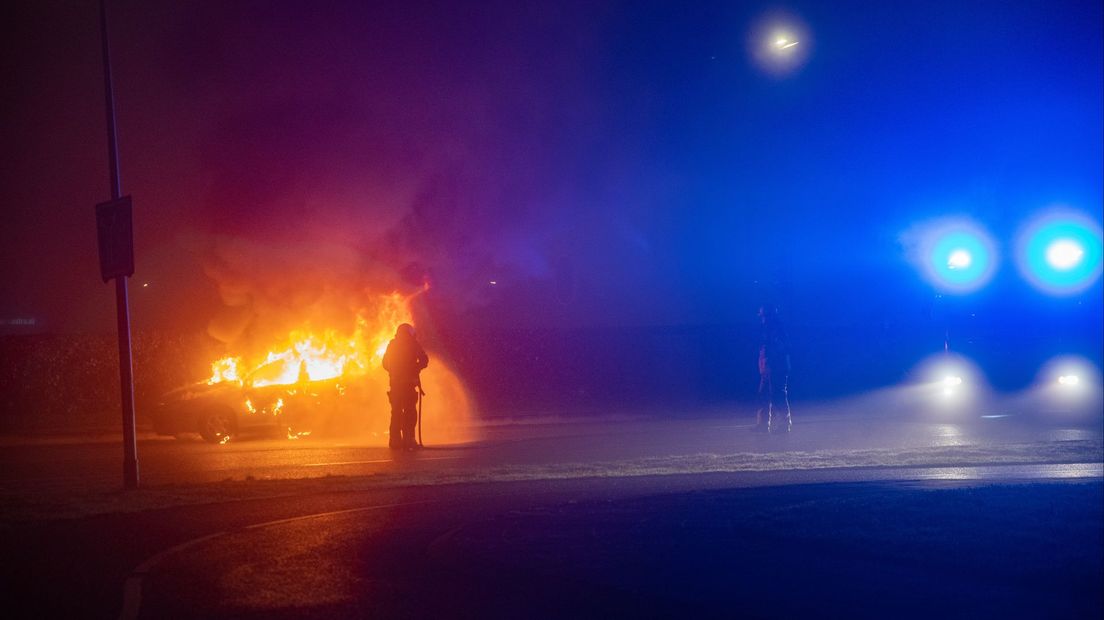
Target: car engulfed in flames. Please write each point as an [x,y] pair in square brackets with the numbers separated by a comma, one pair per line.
[309,380]
[221,411]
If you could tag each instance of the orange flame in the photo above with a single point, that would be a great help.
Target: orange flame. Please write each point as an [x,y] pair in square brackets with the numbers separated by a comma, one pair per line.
[225,369]
[327,354]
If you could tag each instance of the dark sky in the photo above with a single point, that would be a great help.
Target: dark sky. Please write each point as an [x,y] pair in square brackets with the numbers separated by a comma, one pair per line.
[604,163]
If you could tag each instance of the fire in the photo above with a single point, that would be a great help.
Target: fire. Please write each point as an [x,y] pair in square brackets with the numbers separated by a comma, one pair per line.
[225,369]
[309,355]
[351,359]
[291,434]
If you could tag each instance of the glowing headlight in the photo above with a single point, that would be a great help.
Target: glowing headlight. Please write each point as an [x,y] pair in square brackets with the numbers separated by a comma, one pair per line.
[1069,380]
[949,383]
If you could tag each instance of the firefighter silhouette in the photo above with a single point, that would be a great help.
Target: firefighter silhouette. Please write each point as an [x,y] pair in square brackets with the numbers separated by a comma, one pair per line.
[404,360]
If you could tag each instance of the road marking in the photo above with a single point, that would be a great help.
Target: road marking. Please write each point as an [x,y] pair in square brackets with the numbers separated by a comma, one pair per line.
[442,539]
[132,587]
[430,458]
[331,513]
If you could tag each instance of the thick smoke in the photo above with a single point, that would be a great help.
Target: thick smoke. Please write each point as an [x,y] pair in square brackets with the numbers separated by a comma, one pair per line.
[383,151]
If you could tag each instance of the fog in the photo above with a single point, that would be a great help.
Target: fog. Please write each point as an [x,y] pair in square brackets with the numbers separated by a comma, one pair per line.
[588,203]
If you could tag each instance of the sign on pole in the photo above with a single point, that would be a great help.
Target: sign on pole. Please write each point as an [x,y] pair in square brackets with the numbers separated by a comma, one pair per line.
[116,237]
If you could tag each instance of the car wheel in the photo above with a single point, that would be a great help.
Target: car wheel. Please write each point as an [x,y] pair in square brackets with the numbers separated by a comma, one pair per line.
[217,426]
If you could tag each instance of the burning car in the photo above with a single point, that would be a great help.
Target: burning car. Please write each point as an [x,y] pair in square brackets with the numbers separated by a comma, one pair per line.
[288,390]
[221,410]
[307,379]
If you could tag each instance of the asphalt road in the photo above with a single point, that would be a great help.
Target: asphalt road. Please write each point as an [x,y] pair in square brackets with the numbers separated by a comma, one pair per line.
[600,550]
[647,518]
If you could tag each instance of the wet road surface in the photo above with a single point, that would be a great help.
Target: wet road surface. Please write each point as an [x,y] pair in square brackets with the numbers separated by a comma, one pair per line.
[579,519]
[838,440]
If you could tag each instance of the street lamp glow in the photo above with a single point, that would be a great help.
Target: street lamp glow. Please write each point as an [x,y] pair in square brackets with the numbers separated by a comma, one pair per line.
[1064,254]
[779,43]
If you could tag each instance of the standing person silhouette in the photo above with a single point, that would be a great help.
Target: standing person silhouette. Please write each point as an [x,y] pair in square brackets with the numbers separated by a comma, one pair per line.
[404,360]
[774,373]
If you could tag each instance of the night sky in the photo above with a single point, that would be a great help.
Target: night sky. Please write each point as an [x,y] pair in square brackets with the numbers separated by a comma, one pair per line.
[602,163]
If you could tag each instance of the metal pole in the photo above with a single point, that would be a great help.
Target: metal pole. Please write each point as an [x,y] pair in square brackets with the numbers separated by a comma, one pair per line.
[126,372]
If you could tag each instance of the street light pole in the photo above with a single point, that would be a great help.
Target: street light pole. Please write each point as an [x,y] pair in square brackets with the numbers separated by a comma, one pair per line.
[126,372]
